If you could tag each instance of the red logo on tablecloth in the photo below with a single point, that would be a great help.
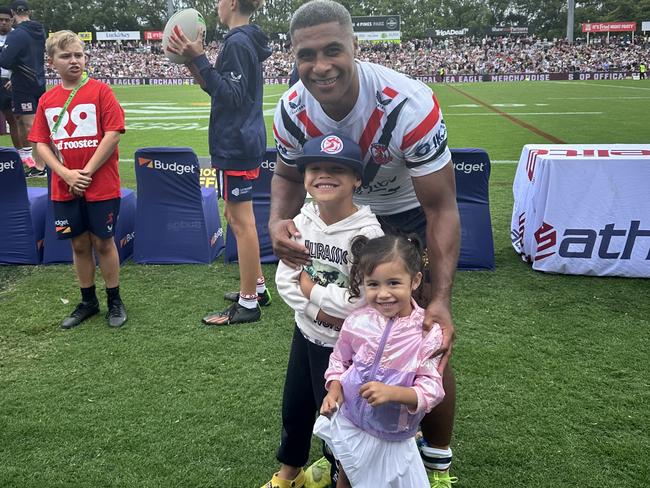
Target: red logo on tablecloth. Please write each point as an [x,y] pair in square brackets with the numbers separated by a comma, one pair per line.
[546,238]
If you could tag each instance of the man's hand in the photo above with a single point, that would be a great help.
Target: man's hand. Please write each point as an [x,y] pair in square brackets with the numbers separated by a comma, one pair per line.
[439,312]
[376,393]
[333,400]
[283,234]
[181,45]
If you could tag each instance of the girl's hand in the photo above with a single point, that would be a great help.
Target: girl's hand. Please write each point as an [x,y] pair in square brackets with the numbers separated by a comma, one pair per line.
[333,400]
[376,393]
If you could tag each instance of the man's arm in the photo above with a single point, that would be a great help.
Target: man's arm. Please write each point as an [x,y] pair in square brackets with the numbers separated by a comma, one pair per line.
[437,195]
[287,197]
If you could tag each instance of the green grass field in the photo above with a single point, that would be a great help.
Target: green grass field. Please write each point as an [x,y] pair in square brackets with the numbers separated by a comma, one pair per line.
[553,371]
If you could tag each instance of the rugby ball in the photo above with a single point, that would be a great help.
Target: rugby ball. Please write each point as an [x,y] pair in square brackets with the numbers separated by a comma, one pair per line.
[191,22]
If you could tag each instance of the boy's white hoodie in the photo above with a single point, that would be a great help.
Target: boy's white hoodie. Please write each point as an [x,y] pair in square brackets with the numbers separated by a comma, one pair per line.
[329,249]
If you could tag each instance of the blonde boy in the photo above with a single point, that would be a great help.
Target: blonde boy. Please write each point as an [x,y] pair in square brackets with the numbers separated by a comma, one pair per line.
[76,130]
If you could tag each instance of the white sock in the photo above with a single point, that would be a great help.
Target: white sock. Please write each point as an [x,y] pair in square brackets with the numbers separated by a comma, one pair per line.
[247,301]
[438,459]
[260,287]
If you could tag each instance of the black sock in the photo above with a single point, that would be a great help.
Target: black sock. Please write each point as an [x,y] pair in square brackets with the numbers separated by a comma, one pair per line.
[113,294]
[88,294]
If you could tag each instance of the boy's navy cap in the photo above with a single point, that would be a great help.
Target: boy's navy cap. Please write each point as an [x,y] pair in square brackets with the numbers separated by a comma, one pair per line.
[20,6]
[331,149]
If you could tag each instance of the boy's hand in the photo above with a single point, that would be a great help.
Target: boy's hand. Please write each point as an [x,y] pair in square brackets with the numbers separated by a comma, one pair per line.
[181,45]
[376,393]
[78,179]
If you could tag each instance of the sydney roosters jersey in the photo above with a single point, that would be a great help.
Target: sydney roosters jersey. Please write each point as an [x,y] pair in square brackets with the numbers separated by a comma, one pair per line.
[397,122]
[93,111]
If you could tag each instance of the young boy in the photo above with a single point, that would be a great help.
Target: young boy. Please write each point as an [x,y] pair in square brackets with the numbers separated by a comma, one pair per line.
[76,130]
[332,168]
[237,139]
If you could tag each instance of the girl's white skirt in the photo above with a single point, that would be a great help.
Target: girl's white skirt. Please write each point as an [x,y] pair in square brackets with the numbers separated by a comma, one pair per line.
[370,462]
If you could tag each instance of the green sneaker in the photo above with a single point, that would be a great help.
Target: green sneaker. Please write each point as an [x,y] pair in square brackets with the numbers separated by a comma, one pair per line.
[441,479]
[318,474]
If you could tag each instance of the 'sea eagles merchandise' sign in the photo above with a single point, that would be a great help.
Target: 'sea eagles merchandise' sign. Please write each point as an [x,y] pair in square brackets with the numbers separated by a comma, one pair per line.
[583,209]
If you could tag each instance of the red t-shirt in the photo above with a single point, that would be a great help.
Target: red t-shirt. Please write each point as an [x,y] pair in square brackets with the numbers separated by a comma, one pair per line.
[93,111]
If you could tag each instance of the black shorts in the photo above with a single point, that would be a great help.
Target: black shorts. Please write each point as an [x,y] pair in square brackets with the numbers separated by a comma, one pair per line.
[5,96]
[404,223]
[235,188]
[24,103]
[74,217]
[409,222]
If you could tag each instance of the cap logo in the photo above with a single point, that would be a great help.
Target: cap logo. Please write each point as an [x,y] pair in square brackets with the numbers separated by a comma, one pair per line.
[331,145]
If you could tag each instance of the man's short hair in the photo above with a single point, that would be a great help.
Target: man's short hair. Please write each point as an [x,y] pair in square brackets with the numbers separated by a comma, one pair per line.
[60,40]
[317,12]
[6,11]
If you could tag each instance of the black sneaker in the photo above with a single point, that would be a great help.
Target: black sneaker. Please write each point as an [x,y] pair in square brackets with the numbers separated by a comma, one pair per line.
[34,172]
[116,314]
[234,314]
[82,311]
[263,299]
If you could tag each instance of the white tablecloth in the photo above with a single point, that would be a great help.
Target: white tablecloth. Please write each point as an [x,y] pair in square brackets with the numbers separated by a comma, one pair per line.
[583,209]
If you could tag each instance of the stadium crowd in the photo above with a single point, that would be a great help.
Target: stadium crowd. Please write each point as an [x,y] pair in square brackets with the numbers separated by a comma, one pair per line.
[459,55]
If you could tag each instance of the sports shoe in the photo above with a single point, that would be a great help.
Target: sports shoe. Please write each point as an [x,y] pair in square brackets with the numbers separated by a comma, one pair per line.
[81,312]
[28,161]
[441,479]
[318,474]
[234,314]
[34,172]
[297,482]
[264,299]
[116,314]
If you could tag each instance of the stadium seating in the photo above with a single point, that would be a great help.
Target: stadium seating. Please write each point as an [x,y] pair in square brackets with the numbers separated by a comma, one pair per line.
[22,213]
[176,220]
[57,250]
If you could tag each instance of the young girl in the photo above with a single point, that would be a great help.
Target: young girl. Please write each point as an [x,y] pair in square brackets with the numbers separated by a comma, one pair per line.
[381,378]
[237,140]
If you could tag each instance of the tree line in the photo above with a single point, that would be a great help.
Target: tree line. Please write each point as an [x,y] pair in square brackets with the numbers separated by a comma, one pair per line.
[545,18]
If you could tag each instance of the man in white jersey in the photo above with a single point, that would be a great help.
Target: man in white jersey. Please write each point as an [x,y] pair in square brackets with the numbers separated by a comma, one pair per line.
[408,179]
[6,22]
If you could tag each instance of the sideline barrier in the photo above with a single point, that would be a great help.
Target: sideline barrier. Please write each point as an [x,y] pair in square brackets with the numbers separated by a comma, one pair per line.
[57,250]
[22,213]
[177,221]
[472,168]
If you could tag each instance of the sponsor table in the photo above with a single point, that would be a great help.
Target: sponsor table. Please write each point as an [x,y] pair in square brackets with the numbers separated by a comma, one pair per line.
[583,209]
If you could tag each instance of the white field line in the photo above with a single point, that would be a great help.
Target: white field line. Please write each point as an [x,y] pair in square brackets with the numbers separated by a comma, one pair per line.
[515,114]
[598,98]
[602,84]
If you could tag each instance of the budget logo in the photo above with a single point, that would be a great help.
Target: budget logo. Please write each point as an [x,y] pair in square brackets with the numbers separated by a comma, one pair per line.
[126,239]
[173,167]
[6,165]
